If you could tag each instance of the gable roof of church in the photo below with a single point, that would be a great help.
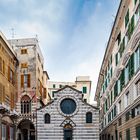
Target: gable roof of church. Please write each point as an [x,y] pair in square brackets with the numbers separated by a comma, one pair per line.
[67,86]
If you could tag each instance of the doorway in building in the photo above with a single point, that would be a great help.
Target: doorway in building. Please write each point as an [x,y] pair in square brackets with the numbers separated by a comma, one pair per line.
[26,130]
[67,132]
[138,132]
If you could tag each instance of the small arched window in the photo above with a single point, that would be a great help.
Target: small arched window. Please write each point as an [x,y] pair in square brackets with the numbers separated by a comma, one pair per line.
[47,118]
[88,117]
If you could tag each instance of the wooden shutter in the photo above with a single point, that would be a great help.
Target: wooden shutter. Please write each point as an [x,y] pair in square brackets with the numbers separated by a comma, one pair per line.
[29,80]
[3,67]
[0,64]
[12,101]
[44,93]
[1,93]
[22,81]
[41,88]
[13,76]
[8,73]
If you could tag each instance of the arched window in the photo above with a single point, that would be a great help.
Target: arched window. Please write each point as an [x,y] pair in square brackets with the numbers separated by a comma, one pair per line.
[25,105]
[47,118]
[88,117]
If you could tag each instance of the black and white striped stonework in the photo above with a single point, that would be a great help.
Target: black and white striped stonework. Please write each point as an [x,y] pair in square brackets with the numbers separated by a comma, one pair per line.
[80,129]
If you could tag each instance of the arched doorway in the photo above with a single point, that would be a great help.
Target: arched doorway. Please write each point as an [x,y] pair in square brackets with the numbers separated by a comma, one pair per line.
[26,130]
[68,132]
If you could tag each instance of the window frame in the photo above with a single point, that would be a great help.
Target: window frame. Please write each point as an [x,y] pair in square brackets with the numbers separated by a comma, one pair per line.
[89,117]
[47,118]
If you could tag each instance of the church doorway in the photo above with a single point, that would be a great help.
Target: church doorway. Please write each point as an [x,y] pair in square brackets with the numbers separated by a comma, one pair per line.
[67,132]
[26,130]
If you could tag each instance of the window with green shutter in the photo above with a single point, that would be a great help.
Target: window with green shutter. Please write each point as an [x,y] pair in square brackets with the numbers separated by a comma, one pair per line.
[127,116]
[129,31]
[116,59]
[126,74]
[132,24]
[116,90]
[106,104]
[131,66]
[131,27]
[115,110]
[127,18]
[137,59]
[84,89]
[135,1]
[119,38]
[53,85]
[122,47]
[128,134]
[111,97]
[122,79]
[53,93]
[133,112]
[112,114]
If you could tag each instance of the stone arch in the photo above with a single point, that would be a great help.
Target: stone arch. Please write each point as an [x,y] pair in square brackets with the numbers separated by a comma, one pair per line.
[26,130]
[25,93]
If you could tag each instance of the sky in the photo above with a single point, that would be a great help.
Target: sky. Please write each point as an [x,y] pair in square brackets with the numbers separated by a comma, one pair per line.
[72,34]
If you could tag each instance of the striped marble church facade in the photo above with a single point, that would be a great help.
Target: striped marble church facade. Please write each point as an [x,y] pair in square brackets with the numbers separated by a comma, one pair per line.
[68,117]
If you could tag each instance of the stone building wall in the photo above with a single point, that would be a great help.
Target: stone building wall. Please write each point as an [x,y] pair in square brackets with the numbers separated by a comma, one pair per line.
[81,129]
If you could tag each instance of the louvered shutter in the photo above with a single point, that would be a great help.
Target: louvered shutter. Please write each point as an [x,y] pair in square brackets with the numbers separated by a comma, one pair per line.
[22,81]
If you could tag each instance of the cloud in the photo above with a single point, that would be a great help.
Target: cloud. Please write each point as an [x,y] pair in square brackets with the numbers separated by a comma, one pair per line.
[72,33]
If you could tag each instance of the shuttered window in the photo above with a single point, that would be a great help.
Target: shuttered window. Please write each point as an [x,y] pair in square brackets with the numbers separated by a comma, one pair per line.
[84,89]
[128,134]
[22,81]
[44,95]
[137,58]
[132,24]
[116,90]
[122,79]
[122,47]
[0,64]
[29,80]
[131,66]
[127,116]
[127,18]
[126,74]
[115,110]
[135,1]
[137,85]
[25,80]
[3,67]
[23,51]
[1,93]
[12,100]
[24,65]
[8,73]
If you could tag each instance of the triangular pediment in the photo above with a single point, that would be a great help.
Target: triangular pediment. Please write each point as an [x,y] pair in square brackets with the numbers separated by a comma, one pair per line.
[67,88]
[67,121]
